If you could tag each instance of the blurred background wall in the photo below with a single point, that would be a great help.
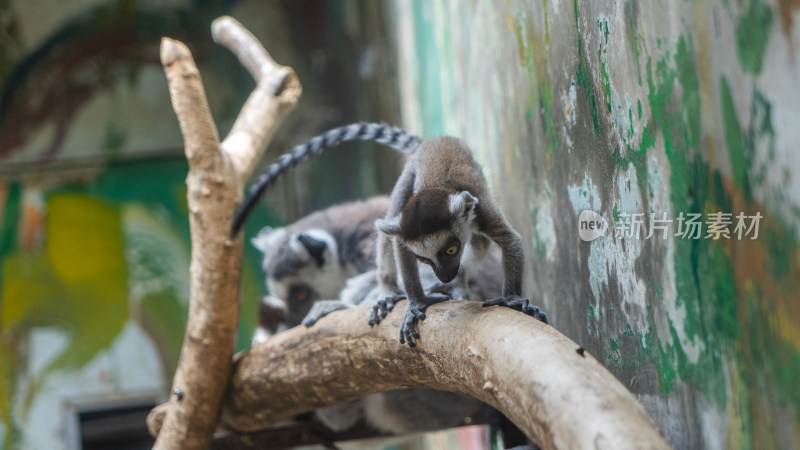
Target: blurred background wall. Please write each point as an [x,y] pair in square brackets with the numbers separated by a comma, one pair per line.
[622,108]
[94,243]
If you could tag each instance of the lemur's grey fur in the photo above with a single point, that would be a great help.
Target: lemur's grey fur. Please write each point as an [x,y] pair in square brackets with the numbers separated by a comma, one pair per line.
[381,133]
[439,204]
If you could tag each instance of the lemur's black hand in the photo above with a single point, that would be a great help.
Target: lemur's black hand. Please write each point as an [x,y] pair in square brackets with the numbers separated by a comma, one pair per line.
[382,307]
[414,313]
[519,304]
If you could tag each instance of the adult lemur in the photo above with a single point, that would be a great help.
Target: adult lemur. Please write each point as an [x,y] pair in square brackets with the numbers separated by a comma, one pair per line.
[439,204]
[311,259]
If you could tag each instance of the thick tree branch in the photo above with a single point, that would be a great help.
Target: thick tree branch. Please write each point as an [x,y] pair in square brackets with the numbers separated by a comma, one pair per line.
[560,396]
[214,182]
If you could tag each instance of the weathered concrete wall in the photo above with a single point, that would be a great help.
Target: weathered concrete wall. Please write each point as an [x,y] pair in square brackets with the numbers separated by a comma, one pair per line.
[621,108]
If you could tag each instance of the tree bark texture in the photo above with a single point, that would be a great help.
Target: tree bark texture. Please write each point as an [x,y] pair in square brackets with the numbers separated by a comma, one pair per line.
[545,383]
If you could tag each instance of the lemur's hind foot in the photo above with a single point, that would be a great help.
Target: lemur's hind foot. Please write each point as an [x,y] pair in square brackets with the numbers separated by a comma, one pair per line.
[519,304]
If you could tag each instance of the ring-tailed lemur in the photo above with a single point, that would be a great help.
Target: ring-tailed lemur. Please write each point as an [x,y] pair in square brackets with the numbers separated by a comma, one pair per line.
[439,204]
[311,260]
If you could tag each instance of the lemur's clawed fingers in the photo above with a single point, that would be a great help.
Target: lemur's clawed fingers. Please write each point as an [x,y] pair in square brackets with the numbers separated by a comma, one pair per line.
[382,308]
[536,313]
[408,329]
[414,314]
[519,304]
[378,311]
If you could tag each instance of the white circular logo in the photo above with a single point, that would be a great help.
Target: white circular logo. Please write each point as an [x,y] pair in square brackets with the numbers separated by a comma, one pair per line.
[591,225]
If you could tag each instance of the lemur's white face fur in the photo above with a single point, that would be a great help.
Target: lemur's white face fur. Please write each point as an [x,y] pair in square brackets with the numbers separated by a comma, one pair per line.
[309,259]
[441,250]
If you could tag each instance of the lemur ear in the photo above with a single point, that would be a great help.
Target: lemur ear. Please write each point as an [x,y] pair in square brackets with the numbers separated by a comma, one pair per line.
[315,247]
[462,204]
[389,227]
[267,238]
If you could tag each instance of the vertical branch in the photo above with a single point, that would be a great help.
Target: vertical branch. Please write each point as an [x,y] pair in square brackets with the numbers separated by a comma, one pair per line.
[217,173]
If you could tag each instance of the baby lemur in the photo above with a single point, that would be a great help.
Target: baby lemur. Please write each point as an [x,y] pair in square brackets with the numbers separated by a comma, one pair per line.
[439,204]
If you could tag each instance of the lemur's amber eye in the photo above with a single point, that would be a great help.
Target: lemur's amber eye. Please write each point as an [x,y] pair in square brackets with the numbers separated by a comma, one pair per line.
[452,250]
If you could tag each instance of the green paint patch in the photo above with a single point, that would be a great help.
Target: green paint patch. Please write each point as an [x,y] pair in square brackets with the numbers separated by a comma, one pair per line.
[114,138]
[634,40]
[533,53]
[11,216]
[164,316]
[630,121]
[429,58]
[582,76]
[739,152]
[79,284]
[752,35]
[605,83]
[728,311]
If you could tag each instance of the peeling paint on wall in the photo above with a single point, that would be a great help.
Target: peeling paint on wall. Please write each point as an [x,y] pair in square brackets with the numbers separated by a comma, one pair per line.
[669,109]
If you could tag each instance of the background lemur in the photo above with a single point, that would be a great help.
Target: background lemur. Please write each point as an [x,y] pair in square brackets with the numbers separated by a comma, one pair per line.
[437,205]
[312,259]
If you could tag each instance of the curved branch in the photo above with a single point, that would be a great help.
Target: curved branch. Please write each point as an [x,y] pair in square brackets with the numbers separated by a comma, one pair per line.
[560,397]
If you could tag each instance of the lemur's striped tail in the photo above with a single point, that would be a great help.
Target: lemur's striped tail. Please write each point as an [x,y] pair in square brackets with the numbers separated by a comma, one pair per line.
[381,133]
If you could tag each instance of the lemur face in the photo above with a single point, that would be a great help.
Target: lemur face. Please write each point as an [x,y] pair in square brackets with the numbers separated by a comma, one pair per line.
[442,252]
[436,229]
[301,268]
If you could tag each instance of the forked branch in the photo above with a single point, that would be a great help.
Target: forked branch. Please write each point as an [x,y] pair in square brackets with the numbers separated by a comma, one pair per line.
[217,173]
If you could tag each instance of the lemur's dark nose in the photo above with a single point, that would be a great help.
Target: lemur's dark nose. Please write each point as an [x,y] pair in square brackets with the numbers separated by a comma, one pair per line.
[446,274]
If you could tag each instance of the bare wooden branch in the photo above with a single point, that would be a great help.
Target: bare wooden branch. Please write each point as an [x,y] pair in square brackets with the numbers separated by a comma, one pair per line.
[215,182]
[560,396]
[275,95]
